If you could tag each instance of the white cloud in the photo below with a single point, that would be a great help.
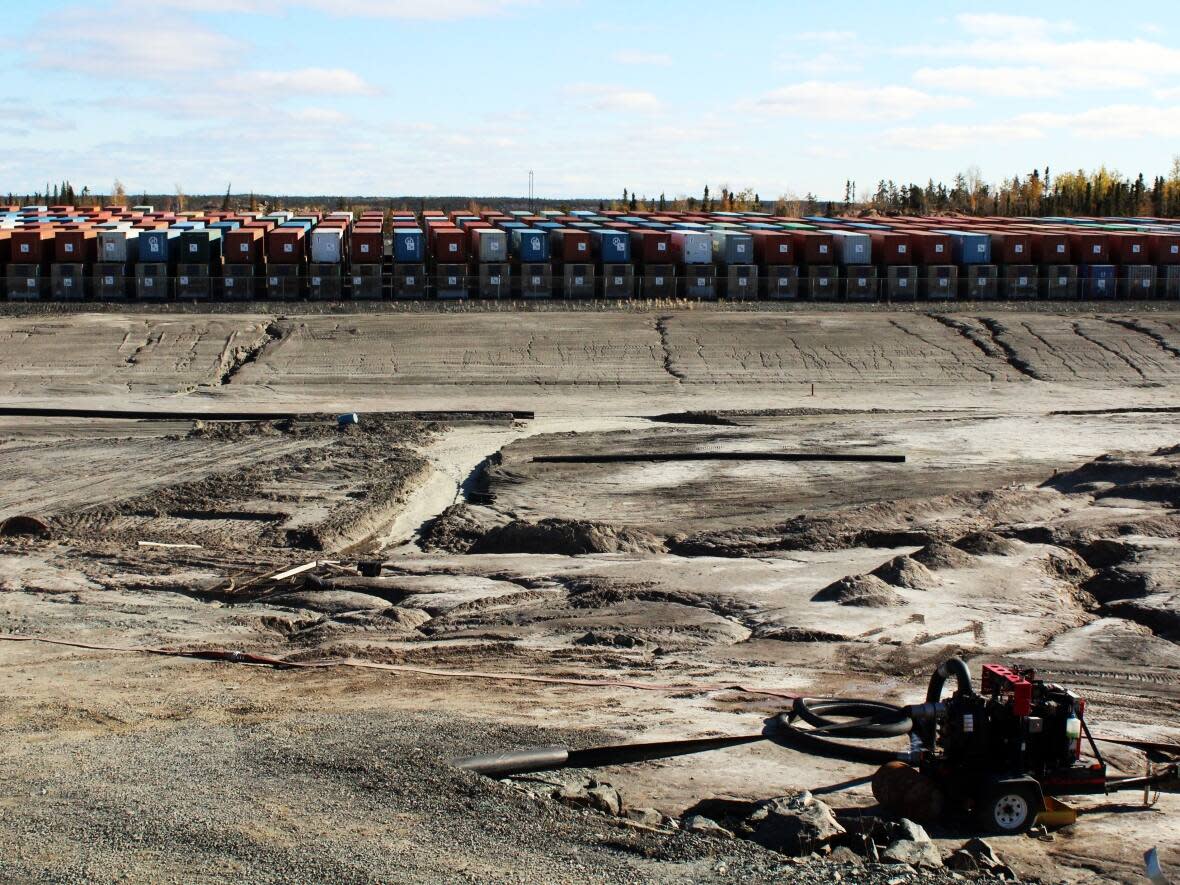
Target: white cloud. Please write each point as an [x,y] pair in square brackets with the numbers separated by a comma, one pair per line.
[1127,121]
[948,136]
[105,43]
[996,25]
[306,81]
[1170,94]
[999,81]
[18,118]
[635,57]
[816,65]
[853,101]
[614,98]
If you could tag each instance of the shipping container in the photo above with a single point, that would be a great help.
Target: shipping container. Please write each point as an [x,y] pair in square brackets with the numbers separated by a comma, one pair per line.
[75,246]
[651,246]
[611,246]
[366,246]
[448,244]
[969,248]
[530,246]
[409,245]
[1129,248]
[891,247]
[1049,247]
[772,247]
[156,247]
[31,246]
[1098,281]
[326,247]
[939,282]
[286,245]
[814,247]
[489,246]
[570,246]
[732,247]
[200,247]
[1058,281]
[1089,248]
[691,247]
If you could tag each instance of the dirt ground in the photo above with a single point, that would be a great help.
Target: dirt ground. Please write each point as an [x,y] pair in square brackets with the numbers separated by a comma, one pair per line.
[1035,520]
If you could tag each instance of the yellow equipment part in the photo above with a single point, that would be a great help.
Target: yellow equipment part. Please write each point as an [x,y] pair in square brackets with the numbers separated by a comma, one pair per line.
[1057,814]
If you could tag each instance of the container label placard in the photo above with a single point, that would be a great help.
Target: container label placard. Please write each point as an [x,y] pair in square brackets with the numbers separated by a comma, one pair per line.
[700,281]
[288,247]
[274,281]
[618,281]
[148,282]
[1061,281]
[862,282]
[1175,249]
[1135,248]
[1144,283]
[229,282]
[24,247]
[192,247]
[1022,281]
[245,247]
[1061,248]
[452,281]
[184,281]
[31,283]
[741,248]
[1097,250]
[364,248]
[659,281]
[536,281]
[108,281]
[411,245]
[356,281]
[68,283]
[411,280]
[663,247]
[153,245]
[1019,248]
[938,248]
[495,281]
[981,248]
[902,283]
[783,249]
[581,247]
[315,281]
[578,281]
[742,281]
[942,281]
[901,247]
[823,249]
[69,247]
[452,247]
[859,248]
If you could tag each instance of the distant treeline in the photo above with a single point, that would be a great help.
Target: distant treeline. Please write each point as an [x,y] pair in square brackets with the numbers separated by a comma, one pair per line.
[1039,193]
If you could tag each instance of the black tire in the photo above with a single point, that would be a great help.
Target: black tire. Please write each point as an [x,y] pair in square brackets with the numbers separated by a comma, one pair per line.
[1009,809]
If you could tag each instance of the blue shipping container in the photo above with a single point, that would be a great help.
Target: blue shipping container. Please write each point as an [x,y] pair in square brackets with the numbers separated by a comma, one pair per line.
[611,246]
[409,245]
[156,245]
[530,245]
[968,248]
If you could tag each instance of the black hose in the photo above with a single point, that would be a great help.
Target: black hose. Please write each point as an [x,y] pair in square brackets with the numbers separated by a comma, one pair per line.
[782,731]
[951,667]
[889,720]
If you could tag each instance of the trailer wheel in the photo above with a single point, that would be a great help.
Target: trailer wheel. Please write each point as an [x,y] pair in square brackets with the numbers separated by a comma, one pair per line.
[1009,808]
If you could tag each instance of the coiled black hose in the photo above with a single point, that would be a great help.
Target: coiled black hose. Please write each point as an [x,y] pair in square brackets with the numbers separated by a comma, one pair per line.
[888,720]
[951,667]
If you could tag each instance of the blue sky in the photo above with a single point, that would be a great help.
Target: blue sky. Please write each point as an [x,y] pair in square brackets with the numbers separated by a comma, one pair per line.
[465,96]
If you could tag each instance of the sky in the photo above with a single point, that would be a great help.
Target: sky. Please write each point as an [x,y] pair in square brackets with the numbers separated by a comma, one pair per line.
[464,97]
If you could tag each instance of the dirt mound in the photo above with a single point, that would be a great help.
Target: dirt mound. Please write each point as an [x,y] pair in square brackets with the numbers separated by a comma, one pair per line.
[904,571]
[797,634]
[1154,477]
[454,530]
[985,543]
[939,555]
[569,537]
[1065,565]
[864,591]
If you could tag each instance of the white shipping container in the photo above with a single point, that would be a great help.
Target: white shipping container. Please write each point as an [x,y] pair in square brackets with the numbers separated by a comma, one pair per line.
[327,245]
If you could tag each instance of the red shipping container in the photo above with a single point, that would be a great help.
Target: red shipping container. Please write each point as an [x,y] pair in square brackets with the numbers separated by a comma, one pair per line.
[76,246]
[814,247]
[651,246]
[1010,247]
[1165,248]
[1089,248]
[1129,248]
[890,247]
[570,246]
[5,245]
[448,245]
[773,247]
[32,246]
[1049,248]
[286,245]
[930,248]
[244,245]
[368,246]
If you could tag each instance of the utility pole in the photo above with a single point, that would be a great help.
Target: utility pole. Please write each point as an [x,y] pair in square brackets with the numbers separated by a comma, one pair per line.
[532,208]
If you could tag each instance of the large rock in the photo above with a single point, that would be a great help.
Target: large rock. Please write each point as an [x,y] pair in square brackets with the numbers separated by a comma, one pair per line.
[797,824]
[917,854]
[698,823]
